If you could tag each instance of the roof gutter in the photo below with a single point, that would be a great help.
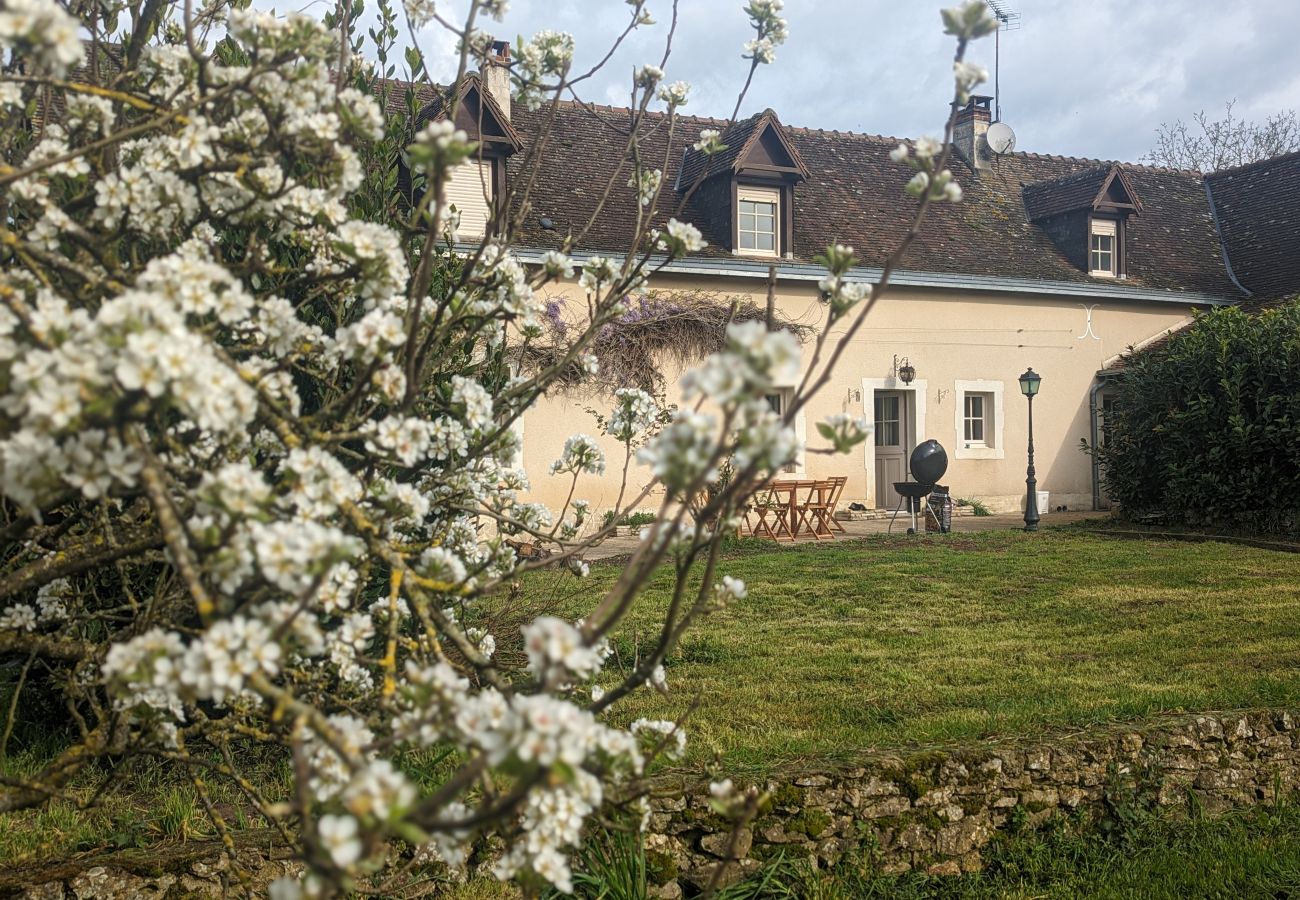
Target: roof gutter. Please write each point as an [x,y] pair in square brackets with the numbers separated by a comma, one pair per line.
[796,271]
[1223,244]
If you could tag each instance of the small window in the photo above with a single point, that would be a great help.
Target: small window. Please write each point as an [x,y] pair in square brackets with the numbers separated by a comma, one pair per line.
[757,213]
[1104,248]
[975,421]
[978,419]
[780,402]
[888,420]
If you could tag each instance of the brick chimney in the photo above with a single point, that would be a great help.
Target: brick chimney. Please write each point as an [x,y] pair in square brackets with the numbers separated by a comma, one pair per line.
[969,130]
[496,75]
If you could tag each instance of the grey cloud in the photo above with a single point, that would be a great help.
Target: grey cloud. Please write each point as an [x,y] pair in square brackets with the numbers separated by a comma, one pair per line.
[1084,79]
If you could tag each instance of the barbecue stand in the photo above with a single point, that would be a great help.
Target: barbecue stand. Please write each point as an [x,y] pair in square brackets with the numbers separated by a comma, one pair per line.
[927,464]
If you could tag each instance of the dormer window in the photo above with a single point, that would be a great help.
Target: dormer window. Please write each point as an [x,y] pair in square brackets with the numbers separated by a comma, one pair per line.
[757,218]
[1087,214]
[1105,248]
[744,195]
[475,187]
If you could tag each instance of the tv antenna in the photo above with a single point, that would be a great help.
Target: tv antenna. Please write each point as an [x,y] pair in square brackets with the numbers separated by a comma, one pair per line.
[1008,21]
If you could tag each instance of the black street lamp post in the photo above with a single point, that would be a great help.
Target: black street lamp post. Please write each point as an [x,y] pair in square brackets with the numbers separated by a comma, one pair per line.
[1029,387]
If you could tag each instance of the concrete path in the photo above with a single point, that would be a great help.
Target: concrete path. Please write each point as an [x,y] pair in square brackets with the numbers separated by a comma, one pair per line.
[624,545]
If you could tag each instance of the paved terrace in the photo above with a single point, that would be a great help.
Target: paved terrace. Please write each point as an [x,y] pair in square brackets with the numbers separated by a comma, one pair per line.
[625,544]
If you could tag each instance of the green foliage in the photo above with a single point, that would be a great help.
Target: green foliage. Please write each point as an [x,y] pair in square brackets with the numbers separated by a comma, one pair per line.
[631,520]
[976,505]
[1206,430]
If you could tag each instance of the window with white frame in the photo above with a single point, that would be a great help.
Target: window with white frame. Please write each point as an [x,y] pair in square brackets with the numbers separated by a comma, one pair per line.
[779,400]
[976,427]
[469,189]
[978,419]
[757,216]
[1104,251]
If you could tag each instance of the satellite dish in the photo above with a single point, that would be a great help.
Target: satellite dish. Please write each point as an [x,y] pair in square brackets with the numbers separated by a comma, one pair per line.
[1001,138]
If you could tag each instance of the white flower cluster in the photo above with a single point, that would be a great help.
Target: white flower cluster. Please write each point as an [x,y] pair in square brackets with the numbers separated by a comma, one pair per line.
[43,29]
[968,76]
[597,273]
[971,20]
[685,452]
[674,94]
[546,56]
[581,454]
[729,589]
[648,76]
[770,27]
[634,414]
[646,182]
[530,730]
[710,142]
[557,650]
[755,361]
[923,156]
[679,238]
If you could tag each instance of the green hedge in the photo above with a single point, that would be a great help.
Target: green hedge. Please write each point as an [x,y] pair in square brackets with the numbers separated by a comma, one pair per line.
[1206,429]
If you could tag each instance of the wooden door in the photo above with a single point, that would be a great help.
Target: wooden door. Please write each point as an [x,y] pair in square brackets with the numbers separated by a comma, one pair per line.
[891,445]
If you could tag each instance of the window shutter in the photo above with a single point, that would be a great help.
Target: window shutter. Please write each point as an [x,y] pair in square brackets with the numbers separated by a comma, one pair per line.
[469,189]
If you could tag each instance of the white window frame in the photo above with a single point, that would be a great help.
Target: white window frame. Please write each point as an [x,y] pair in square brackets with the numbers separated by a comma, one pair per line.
[978,420]
[784,396]
[760,195]
[1104,228]
[992,447]
[470,188]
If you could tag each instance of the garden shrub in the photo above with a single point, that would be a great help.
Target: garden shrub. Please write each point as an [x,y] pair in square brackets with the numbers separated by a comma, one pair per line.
[1205,430]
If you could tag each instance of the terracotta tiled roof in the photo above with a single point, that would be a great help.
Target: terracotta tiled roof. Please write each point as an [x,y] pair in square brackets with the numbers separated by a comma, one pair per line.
[854,195]
[739,138]
[1259,214]
[1080,191]
[1045,199]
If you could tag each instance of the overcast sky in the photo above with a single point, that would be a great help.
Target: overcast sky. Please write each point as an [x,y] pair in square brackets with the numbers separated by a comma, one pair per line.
[1087,78]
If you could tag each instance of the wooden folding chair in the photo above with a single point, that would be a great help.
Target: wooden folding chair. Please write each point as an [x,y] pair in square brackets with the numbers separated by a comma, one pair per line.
[818,511]
[810,510]
[833,502]
[771,504]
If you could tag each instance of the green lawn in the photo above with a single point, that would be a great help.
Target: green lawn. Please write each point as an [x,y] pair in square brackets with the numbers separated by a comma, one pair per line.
[847,648]
[890,642]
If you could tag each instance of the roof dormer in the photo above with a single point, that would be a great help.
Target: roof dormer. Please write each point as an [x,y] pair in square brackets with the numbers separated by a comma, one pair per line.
[745,193]
[476,187]
[1086,214]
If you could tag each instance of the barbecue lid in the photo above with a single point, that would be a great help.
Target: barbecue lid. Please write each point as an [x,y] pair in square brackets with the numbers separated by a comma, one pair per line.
[928,462]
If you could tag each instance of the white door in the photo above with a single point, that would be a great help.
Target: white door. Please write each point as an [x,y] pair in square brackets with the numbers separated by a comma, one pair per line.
[891,438]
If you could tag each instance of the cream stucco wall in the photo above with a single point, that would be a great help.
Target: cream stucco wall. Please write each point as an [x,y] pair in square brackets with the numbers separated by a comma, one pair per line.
[950,337]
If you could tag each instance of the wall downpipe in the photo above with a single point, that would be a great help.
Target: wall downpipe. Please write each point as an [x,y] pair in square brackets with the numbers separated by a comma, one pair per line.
[1097,384]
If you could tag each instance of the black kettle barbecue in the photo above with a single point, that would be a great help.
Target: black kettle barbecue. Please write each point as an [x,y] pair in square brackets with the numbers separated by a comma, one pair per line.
[927,464]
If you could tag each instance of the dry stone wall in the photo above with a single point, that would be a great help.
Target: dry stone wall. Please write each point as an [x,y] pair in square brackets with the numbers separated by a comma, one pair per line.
[935,811]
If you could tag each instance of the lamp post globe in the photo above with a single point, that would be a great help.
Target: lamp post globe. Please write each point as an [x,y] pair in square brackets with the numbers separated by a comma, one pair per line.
[1029,383]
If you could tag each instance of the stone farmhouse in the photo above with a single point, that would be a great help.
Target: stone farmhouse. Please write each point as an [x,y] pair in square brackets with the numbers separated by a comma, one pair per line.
[1049,262]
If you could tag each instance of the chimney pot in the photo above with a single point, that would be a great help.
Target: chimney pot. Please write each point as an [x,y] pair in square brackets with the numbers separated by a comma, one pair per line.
[496,75]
